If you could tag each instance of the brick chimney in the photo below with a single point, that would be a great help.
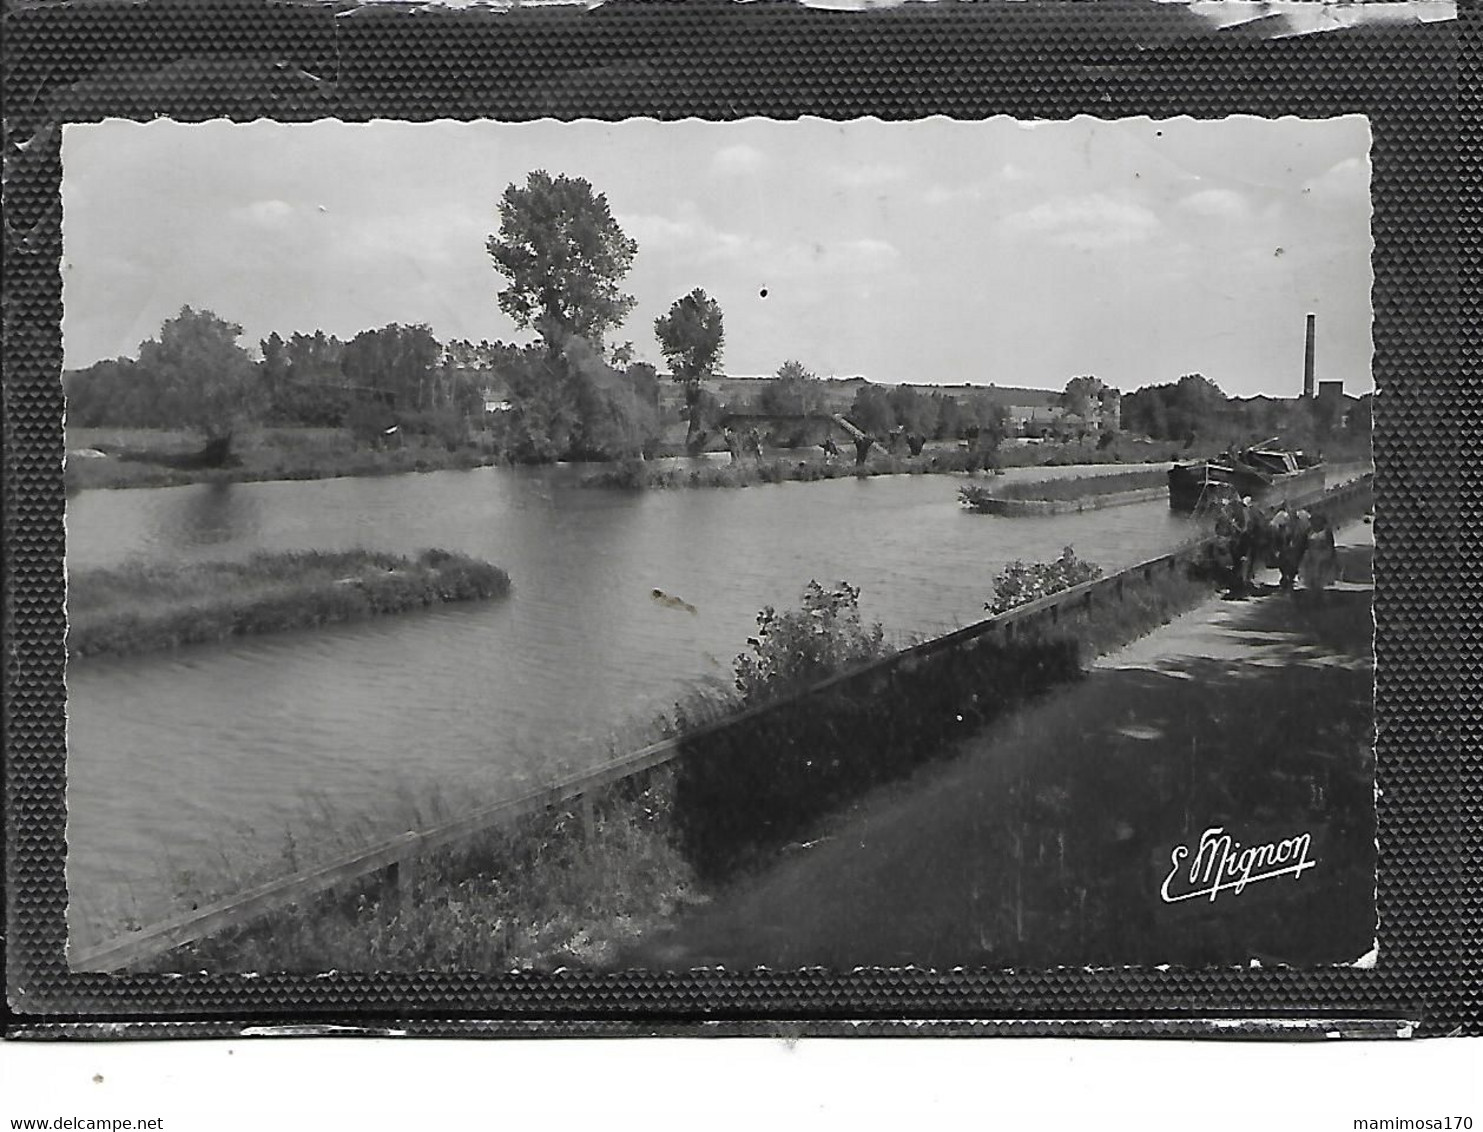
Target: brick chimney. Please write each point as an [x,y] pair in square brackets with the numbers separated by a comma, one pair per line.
[1308,389]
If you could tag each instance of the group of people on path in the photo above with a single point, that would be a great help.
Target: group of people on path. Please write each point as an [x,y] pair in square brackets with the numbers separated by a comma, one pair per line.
[1298,542]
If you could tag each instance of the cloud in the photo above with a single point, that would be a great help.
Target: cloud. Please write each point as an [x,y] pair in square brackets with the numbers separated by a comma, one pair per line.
[849,256]
[1216,204]
[735,160]
[268,213]
[972,192]
[1085,223]
[953,194]
[871,176]
[688,233]
[1346,184]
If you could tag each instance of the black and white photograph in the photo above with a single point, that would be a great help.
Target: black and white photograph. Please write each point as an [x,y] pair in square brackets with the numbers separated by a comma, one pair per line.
[755,544]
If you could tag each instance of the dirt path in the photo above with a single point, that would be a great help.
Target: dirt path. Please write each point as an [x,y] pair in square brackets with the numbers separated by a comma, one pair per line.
[1046,838]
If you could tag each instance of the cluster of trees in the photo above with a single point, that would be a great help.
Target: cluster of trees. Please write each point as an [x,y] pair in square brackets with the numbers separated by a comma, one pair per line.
[928,416]
[563,256]
[1194,406]
[1194,409]
[195,375]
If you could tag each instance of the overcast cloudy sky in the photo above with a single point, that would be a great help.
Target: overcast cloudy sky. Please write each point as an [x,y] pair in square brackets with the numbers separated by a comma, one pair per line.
[930,251]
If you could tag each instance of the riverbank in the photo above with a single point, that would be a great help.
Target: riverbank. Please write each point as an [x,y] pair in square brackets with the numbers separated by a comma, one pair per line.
[810,465]
[140,458]
[130,458]
[641,474]
[143,607]
[1080,487]
[1046,839]
[558,890]
[550,891]
[1064,495]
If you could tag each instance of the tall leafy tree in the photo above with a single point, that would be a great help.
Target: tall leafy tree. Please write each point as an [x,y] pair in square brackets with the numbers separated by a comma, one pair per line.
[870,411]
[991,420]
[914,412]
[793,389]
[276,366]
[113,392]
[950,418]
[691,337]
[205,381]
[563,255]
[1082,396]
[304,379]
[398,361]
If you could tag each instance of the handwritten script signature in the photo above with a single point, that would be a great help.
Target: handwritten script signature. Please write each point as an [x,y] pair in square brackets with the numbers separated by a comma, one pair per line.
[1221,865]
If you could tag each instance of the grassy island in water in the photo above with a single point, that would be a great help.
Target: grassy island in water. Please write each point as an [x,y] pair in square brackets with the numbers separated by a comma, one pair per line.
[1066,488]
[138,607]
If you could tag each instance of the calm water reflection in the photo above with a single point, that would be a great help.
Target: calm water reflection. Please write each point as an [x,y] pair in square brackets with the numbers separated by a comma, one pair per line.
[179,757]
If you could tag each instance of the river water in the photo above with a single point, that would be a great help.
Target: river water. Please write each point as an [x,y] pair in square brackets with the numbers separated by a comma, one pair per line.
[183,764]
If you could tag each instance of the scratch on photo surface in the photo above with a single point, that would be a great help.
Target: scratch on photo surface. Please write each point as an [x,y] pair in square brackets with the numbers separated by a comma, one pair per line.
[317,1031]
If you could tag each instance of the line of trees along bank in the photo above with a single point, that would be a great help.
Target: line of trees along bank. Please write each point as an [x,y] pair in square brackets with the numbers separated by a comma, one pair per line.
[393,380]
[1194,410]
[565,395]
[562,255]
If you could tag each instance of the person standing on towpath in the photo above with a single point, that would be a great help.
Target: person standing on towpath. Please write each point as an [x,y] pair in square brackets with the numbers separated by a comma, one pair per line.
[1320,563]
[1235,527]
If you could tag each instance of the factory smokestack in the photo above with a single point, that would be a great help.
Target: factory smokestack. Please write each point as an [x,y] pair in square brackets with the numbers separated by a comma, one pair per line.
[1308,389]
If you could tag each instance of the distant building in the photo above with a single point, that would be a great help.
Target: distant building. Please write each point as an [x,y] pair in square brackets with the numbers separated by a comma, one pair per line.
[1031,420]
[496,396]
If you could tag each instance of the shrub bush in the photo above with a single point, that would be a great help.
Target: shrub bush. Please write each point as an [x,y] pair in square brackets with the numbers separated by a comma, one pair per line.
[794,649]
[1022,582]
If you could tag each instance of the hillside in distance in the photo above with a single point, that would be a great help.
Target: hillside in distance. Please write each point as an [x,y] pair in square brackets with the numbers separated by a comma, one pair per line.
[838,394]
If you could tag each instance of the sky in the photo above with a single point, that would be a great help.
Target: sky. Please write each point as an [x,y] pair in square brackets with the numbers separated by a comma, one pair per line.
[932,251]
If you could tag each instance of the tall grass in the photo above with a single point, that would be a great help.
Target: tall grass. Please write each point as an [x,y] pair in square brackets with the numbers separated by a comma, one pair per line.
[539,895]
[143,606]
[1072,487]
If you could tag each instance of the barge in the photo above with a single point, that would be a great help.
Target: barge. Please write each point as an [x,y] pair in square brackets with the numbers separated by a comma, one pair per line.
[1261,471]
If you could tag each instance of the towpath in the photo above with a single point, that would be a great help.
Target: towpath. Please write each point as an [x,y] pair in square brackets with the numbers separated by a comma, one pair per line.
[1045,839]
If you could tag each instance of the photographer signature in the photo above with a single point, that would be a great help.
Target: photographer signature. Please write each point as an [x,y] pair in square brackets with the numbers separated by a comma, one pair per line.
[1222,865]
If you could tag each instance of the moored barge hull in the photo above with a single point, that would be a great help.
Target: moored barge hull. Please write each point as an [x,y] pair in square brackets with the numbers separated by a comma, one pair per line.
[1194,487]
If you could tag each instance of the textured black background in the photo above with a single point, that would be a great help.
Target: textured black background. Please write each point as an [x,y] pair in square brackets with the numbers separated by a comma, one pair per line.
[193,60]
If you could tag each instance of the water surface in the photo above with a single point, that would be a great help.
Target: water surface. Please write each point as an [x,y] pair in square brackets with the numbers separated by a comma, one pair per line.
[184,761]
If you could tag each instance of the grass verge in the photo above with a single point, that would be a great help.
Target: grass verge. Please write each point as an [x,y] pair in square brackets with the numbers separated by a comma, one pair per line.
[123,458]
[1066,487]
[540,895]
[139,607]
